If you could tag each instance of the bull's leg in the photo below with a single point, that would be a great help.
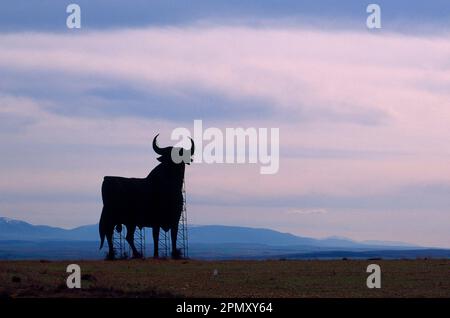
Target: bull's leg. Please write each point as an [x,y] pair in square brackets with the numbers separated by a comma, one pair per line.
[174,233]
[155,241]
[109,238]
[130,239]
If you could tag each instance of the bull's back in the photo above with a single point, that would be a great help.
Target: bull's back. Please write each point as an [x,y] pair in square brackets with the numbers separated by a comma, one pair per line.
[147,202]
[118,191]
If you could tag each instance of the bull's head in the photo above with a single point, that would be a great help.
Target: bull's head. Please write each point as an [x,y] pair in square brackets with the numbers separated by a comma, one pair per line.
[176,155]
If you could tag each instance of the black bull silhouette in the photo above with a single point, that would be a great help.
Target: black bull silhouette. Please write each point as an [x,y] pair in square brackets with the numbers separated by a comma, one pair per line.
[155,201]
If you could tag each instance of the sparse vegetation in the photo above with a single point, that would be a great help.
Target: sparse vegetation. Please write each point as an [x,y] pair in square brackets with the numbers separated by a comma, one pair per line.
[190,278]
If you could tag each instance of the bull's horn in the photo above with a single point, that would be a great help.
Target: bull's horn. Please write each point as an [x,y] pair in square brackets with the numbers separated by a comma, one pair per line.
[192,146]
[155,146]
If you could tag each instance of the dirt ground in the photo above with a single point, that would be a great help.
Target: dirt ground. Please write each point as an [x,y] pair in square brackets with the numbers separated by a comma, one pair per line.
[191,278]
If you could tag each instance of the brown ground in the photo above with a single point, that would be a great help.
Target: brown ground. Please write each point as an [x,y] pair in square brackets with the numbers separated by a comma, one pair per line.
[164,278]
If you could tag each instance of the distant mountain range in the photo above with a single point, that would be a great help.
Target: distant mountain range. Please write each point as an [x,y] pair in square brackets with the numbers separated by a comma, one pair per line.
[21,240]
[11,229]
[219,234]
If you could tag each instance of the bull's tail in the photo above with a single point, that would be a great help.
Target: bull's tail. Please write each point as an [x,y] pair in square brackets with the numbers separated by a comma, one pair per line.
[101,229]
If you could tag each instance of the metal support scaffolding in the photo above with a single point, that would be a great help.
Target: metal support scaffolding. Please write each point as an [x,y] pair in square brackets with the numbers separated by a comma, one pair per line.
[182,237]
[139,240]
[121,247]
[165,244]
[119,242]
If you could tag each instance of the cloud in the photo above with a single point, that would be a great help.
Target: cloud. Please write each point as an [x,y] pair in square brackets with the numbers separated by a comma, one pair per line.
[295,74]
[306,211]
[48,15]
[367,107]
[12,124]
[363,118]
[411,197]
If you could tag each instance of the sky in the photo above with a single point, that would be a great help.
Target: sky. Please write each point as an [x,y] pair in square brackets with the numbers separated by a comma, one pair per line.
[364,115]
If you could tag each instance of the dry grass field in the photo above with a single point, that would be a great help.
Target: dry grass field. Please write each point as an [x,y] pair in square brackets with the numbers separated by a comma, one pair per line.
[191,278]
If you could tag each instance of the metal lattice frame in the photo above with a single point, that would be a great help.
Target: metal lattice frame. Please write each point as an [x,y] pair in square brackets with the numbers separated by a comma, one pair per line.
[182,237]
[117,242]
[165,244]
[122,248]
[139,240]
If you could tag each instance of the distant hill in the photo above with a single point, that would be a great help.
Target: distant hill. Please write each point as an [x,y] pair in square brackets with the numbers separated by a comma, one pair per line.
[11,229]
[220,234]
[17,230]
[21,240]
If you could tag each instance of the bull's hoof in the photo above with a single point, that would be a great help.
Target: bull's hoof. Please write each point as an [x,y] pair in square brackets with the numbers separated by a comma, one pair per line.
[176,254]
[110,257]
[137,256]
